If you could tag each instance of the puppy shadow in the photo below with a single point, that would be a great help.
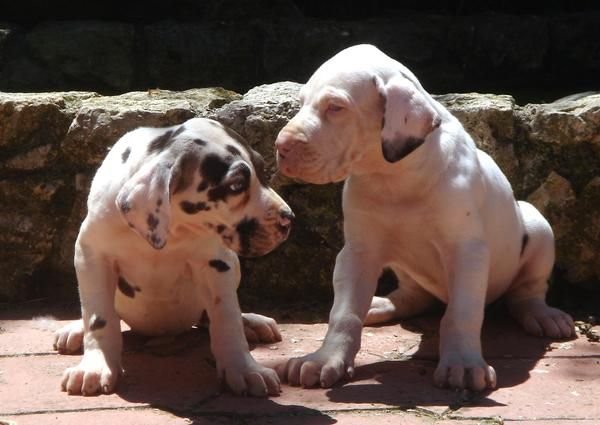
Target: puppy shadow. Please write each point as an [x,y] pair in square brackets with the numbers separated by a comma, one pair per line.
[178,375]
[407,382]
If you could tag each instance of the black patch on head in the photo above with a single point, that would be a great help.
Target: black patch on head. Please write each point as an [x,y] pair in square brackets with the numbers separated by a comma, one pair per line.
[214,168]
[152,222]
[184,172]
[193,207]
[387,282]
[219,265]
[161,142]
[233,150]
[125,155]
[221,228]
[392,154]
[126,288]
[246,229]
[524,243]
[240,178]
[202,186]
[200,142]
[97,323]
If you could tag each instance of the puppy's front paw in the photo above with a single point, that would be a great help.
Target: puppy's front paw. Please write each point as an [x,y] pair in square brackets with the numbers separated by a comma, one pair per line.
[245,376]
[324,366]
[464,370]
[91,376]
[69,338]
[259,328]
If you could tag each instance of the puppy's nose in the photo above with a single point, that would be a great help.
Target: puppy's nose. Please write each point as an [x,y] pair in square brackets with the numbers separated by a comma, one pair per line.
[286,141]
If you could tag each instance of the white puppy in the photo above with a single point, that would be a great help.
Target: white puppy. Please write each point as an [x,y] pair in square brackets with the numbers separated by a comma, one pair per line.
[167,212]
[421,199]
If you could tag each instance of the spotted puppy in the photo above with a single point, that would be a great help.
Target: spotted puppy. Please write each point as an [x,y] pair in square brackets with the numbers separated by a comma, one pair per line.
[168,211]
[419,198]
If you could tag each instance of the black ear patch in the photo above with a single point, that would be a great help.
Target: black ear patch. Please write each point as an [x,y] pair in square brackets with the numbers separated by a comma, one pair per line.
[395,150]
[219,265]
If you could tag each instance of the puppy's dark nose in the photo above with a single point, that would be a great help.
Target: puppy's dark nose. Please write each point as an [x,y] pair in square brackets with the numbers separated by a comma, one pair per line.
[286,217]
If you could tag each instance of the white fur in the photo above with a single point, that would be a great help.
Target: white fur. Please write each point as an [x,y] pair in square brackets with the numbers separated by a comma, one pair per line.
[442,216]
[167,262]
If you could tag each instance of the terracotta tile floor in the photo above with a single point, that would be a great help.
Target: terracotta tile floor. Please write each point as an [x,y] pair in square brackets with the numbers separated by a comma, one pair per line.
[540,381]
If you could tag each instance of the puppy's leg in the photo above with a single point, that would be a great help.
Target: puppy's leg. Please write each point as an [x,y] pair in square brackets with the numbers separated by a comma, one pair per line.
[69,338]
[526,297]
[259,328]
[354,283]
[461,363]
[100,367]
[235,364]
[408,300]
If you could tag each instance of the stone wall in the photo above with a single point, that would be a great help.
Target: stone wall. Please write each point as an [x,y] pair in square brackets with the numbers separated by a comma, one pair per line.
[51,144]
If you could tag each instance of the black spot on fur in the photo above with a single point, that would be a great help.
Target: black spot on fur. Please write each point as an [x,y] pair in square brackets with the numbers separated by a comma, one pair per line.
[161,142]
[184,172]
[124,206]
[159,202]
[152,221]
[214,168]
[193,207]
[126,288]
[156,241]
[239,178]
[200,142]
[221,228]
[387,282]
[125,155]
[246,229]
[392,154]
[202,186]
[97,323]
[219,265]
[524,243]
[233,150]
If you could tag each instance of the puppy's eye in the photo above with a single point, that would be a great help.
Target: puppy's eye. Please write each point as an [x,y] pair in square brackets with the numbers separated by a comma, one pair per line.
[334,108]
[238,186]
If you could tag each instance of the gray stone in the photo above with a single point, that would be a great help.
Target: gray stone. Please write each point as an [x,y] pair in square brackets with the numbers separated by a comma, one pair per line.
[51,145]
[101,121]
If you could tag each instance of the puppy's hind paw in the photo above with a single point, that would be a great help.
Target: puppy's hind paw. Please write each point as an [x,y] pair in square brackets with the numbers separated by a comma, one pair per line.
[260,328]
[539,319]
[69,338]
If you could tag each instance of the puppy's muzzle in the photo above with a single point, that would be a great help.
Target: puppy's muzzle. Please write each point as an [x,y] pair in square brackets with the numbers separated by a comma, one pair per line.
[286,147]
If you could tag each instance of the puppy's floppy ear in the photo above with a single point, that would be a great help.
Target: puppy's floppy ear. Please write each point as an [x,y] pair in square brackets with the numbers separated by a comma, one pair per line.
[144,202]
[408,117]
